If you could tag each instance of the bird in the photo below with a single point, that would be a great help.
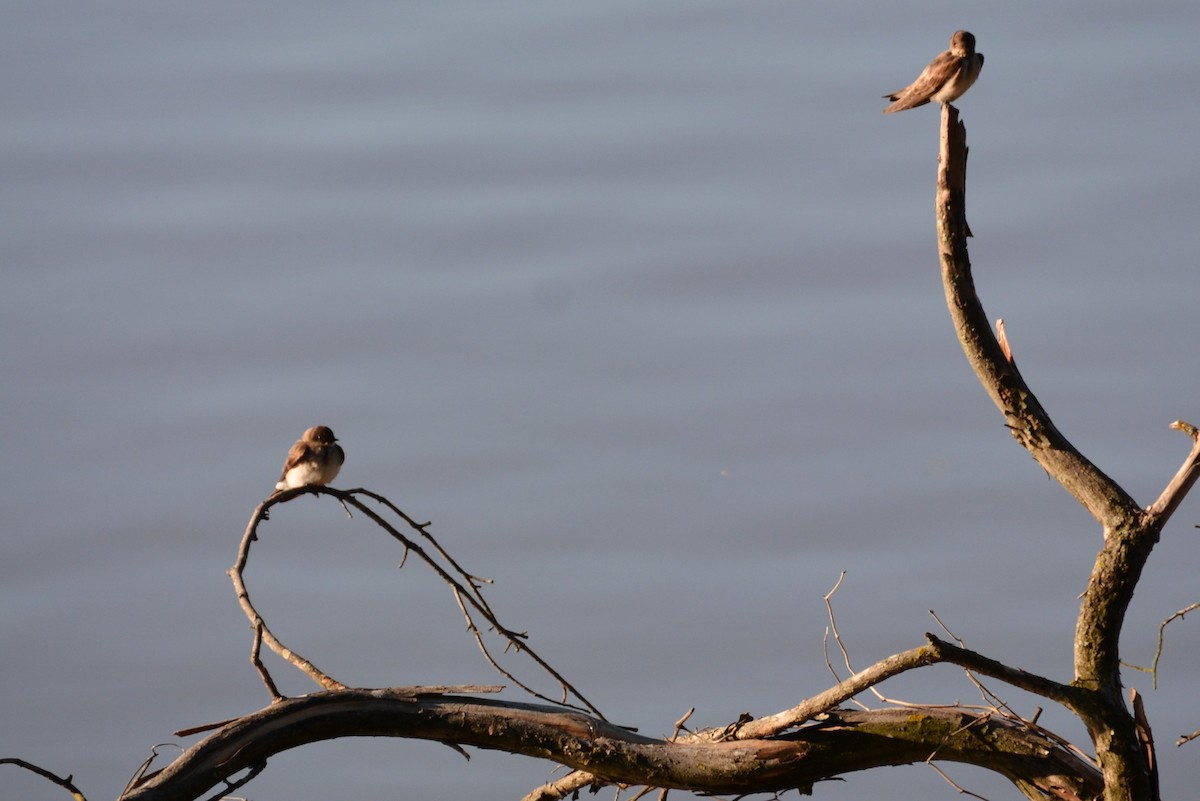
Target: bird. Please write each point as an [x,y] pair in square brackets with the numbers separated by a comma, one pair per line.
[316,458]
[945,79]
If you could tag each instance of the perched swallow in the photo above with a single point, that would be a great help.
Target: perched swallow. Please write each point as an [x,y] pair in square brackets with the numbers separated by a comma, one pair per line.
[946,78]
[314,459]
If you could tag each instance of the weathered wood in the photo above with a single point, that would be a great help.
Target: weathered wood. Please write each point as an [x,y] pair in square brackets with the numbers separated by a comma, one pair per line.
[1129,532]
[843,741]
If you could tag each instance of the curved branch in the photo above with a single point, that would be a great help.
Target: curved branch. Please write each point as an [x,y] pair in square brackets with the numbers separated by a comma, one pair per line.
[464,586]
[67,783]
[261,632]
[846,740]
[1023,414]
[1129,533]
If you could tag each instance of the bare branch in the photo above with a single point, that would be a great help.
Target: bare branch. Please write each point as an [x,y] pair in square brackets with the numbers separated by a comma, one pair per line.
[837,637]
[957,787]
[1146,739]
[640,794]
[1130,533]
[1162,509]
[1023,680]
[67,783]
[1162,627]
[465,587]
[845,740]
[833,627]
[1024,415]
[807,710]
[679,724]
[255,650]
[261,632]
[471,593]
[568,785]
[240,781]
[423,528]
[143,770]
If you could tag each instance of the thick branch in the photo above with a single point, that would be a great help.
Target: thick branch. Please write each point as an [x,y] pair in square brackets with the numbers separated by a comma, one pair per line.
[845,741]
[1130,533]
[1023,414]
[774,725]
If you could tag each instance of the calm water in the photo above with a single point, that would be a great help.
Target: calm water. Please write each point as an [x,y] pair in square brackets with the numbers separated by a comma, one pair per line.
[638,303]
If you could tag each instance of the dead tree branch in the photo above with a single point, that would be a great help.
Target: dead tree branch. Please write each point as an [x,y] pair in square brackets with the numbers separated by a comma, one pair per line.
[1023,414]
[1162,509]
[843,691]
[1162,631]
[1129,532]
[263,634]
[67,783]
[843,741]
[465,587]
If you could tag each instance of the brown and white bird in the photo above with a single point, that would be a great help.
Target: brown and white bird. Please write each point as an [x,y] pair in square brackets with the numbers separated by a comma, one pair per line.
[945,79]
[316,458]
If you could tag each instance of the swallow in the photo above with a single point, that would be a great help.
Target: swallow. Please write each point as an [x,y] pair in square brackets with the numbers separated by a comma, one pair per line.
[316,458]
[946,78]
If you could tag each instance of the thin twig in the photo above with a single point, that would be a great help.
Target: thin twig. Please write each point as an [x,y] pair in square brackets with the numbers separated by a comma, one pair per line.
[474,630]
[946,629]
[471,594]
[961,790]
[230,786]
[833,625]
[423,528]
[679,724]
[642,793]
[1158,651]
[140,774]
[991,699]
[259,666]
[570,784]
[464,586]
[65,782]
[203,727]
[262,632]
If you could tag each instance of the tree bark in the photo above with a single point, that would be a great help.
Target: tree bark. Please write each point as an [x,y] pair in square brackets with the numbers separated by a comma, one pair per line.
[843,741]
[1130,533]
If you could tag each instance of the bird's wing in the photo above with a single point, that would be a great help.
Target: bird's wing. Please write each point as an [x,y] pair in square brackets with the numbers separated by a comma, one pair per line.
[932,78]
[298,452]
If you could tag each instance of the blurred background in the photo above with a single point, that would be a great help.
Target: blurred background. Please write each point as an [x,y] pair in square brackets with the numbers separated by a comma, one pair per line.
[638,303]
